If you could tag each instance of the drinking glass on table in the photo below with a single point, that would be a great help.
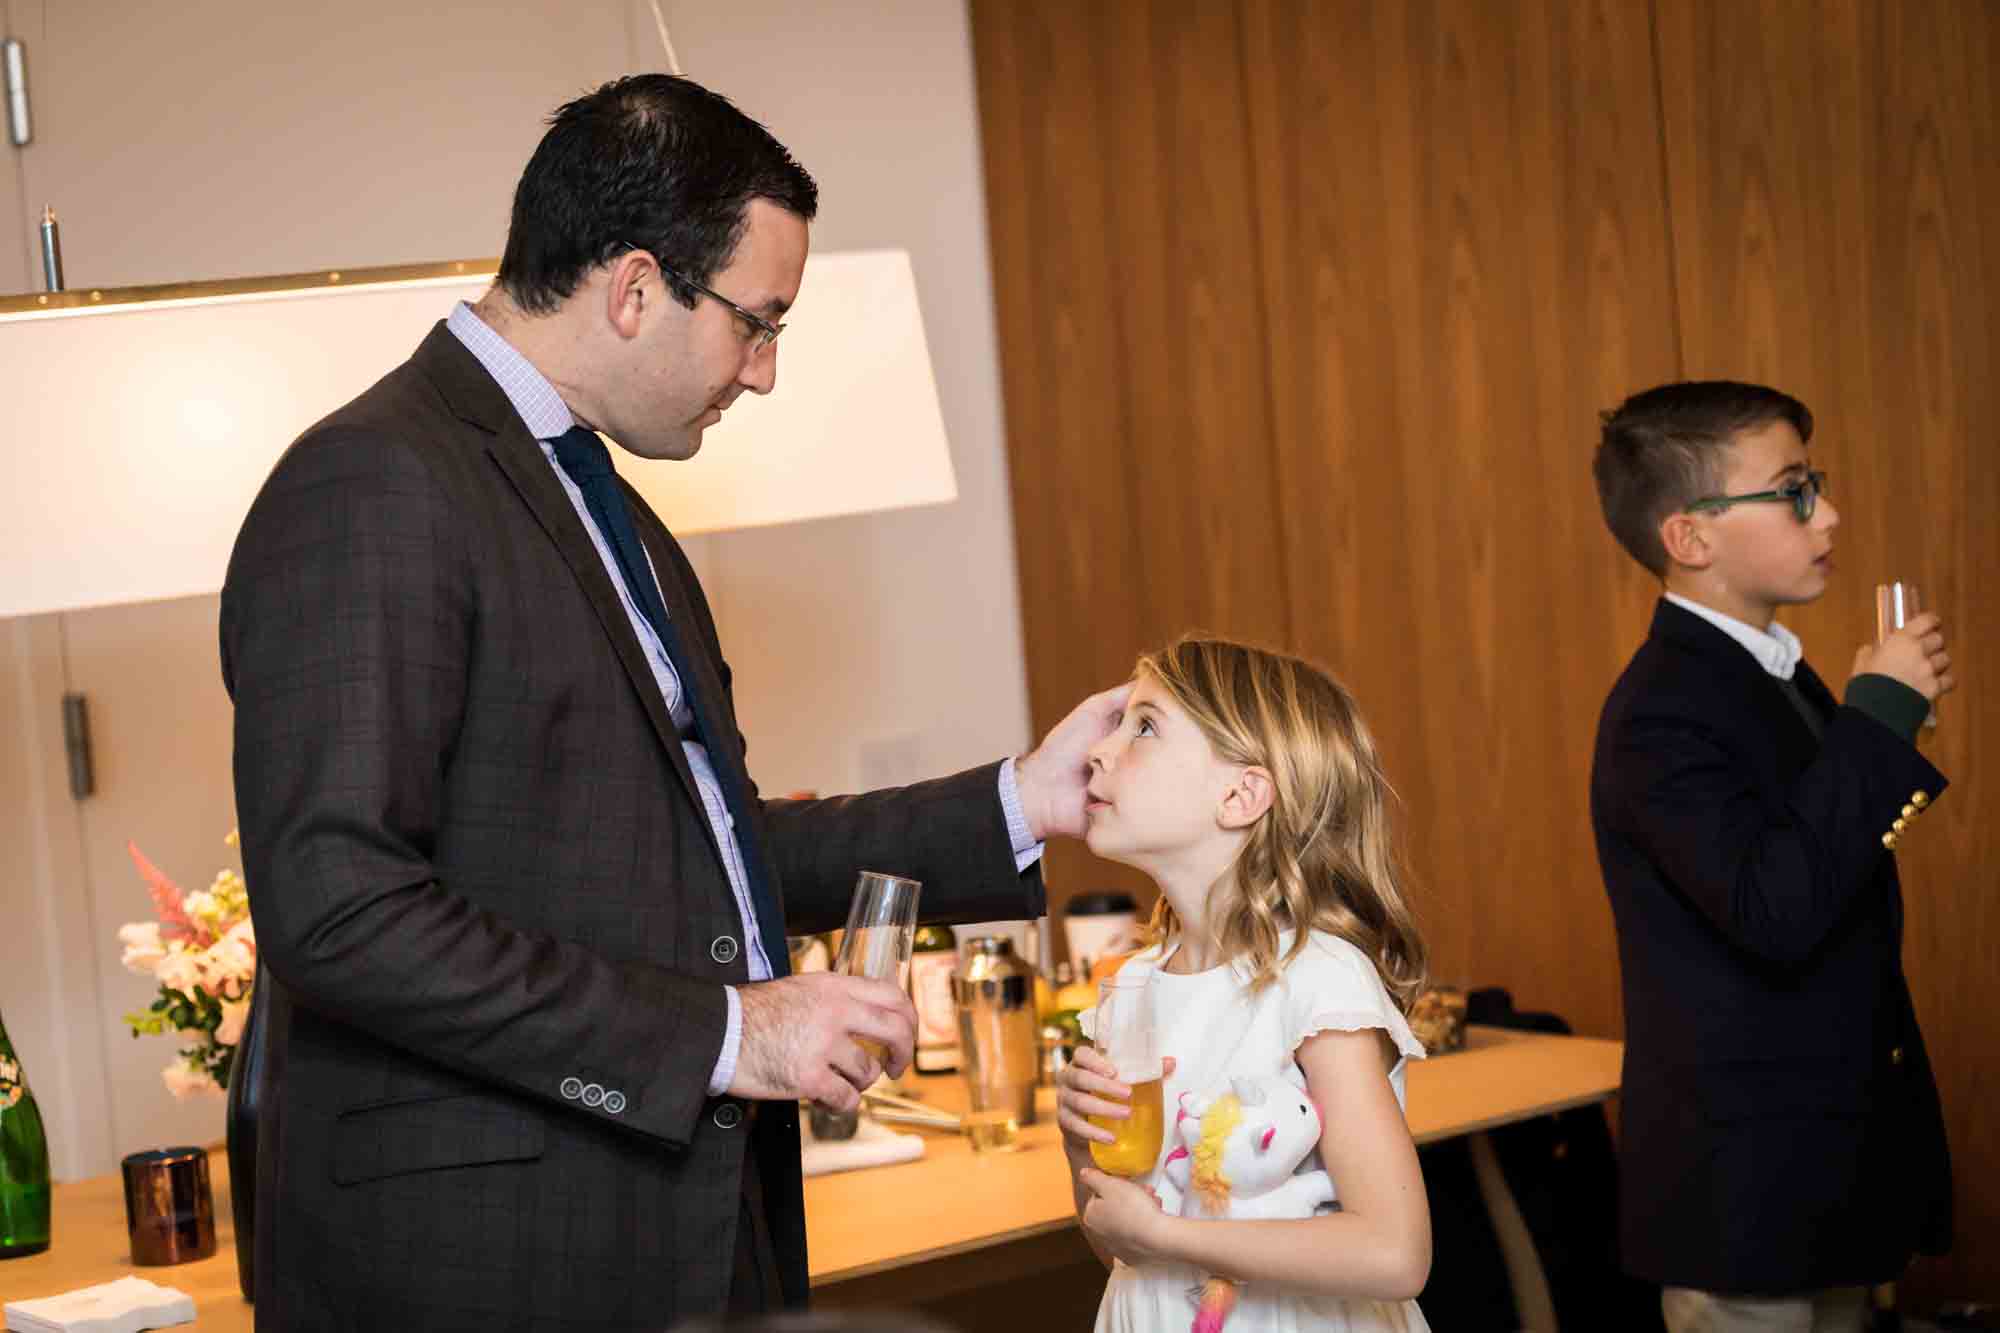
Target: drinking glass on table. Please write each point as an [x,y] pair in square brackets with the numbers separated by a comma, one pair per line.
[1124,1031]
[1896,604]
[881,925]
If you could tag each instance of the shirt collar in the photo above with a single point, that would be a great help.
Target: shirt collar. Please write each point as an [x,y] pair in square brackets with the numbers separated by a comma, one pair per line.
[540,407]
[1777,650]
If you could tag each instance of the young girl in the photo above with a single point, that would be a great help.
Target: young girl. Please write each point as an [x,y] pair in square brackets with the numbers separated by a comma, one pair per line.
[1246,785]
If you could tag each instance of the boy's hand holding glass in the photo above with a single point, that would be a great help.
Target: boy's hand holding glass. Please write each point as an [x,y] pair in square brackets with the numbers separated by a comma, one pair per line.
[1909,645]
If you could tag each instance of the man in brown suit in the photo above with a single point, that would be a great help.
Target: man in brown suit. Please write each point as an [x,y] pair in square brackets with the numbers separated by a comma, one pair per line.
[534,1056]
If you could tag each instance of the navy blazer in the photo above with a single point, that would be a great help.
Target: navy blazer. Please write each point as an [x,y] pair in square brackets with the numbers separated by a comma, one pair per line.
[1780,1128]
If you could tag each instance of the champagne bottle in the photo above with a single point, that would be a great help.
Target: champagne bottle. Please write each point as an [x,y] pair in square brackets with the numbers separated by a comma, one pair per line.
[24,1162]
[933,958]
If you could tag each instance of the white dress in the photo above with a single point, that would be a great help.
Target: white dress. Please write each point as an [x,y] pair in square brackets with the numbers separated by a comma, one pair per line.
[1214,1028]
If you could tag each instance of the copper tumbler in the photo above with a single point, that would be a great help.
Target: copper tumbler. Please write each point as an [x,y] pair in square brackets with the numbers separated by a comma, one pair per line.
[169,1206]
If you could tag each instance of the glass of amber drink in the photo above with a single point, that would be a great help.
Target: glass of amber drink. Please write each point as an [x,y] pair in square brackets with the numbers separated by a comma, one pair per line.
[1125,1034]
[881,925]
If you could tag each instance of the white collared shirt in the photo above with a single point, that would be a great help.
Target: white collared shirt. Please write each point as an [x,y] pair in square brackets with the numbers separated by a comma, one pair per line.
[1777,650]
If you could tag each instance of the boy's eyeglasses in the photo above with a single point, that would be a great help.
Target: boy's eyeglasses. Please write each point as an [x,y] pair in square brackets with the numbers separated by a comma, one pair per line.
[1803,496]
[766,332]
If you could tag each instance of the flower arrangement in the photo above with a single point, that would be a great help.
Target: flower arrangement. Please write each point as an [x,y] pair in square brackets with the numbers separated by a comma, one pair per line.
[203,953]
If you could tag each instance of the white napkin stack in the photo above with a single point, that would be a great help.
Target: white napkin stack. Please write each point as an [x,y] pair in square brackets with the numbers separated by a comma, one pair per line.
[124,1306]
[872,1145]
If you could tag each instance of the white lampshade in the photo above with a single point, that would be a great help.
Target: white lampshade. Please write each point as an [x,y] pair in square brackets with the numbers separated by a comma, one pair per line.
[140,424]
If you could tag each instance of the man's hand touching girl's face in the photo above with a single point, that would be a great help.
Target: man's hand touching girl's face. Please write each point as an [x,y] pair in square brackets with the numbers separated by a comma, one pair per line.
[1052,777]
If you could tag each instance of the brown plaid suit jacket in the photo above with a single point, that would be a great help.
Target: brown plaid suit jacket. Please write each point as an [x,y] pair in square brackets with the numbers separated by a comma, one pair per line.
[482,880]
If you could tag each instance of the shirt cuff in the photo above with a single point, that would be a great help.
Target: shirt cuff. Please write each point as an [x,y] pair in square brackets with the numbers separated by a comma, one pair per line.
[732,1044]
[1026,850]
[1890,702]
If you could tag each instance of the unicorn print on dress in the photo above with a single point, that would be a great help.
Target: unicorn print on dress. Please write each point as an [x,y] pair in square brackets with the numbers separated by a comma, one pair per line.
[1246,1151]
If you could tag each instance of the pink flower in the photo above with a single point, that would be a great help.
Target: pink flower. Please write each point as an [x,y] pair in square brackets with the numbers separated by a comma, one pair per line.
[166,897]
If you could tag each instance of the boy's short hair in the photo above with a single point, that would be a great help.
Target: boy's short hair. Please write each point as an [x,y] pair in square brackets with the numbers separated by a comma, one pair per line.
[1663,449]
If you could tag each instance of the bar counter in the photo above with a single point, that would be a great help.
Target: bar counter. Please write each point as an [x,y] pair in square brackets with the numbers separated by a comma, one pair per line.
[933,1230]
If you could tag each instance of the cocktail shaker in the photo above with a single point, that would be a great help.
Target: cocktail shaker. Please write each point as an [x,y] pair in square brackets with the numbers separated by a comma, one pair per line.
[994,991]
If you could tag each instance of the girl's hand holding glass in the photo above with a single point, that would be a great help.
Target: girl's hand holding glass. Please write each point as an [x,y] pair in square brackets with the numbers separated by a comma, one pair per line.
[1125,1033]
[1124,1217]
[1089,1093]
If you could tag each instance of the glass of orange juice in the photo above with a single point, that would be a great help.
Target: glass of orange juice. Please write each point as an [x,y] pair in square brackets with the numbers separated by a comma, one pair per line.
[1124,1032]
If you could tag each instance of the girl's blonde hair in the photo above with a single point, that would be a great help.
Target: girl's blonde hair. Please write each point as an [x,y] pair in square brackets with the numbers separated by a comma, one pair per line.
[1323,857]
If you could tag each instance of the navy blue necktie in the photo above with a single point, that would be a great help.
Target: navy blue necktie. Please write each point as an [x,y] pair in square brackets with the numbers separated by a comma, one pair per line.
[583,456]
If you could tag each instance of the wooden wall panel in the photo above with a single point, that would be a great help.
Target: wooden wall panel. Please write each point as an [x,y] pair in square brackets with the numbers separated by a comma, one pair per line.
[1308,308]
[1466,259]
[1834,172]
[1131,311]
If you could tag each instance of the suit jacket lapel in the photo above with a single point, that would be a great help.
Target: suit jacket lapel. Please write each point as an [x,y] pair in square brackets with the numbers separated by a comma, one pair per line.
[1815,690]
[475,399]
[1727,657]
[702,684]
[700,680]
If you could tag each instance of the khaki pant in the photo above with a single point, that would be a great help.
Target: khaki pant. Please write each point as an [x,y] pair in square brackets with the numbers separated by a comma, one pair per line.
[1833,1310]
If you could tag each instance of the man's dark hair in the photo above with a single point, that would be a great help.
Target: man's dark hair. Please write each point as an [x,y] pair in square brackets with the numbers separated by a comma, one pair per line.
[1664,449]
[653,161]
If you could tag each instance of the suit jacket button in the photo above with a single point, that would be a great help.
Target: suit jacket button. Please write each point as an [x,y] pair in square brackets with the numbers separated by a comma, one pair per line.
[1889,841]
[572,1088]
[1899,826]
[614,1102]
[1895,1055]
[723,950]
[728,1116]
[1920,799]
[593,1095]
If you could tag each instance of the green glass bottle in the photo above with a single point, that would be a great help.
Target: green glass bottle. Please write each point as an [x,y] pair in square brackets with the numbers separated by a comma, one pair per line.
[24,1161]
[933,958]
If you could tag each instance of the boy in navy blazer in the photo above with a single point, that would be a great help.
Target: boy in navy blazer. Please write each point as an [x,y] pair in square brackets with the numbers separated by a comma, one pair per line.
[1782,1146]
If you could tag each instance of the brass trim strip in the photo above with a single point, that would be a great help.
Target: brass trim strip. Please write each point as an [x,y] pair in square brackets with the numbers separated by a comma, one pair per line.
[84,298]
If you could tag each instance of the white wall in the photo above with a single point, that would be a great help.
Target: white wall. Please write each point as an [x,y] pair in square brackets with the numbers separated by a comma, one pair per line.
[215,138]
[888,648]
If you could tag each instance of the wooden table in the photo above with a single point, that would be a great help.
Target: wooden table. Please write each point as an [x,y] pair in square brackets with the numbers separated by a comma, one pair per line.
[931,1222]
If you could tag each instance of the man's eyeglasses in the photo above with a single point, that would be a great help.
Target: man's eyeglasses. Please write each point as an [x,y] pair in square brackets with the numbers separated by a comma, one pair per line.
[1802,495]
[762,329]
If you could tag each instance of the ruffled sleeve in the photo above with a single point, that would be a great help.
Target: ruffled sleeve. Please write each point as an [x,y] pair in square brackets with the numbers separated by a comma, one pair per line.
[1333,987]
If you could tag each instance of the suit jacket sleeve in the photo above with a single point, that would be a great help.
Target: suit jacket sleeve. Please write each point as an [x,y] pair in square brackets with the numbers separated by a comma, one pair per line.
[348,618]
[1774,879]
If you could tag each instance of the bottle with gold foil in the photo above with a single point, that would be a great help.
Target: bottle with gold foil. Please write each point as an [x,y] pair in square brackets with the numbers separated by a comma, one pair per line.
[933,959]
[24,1161]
